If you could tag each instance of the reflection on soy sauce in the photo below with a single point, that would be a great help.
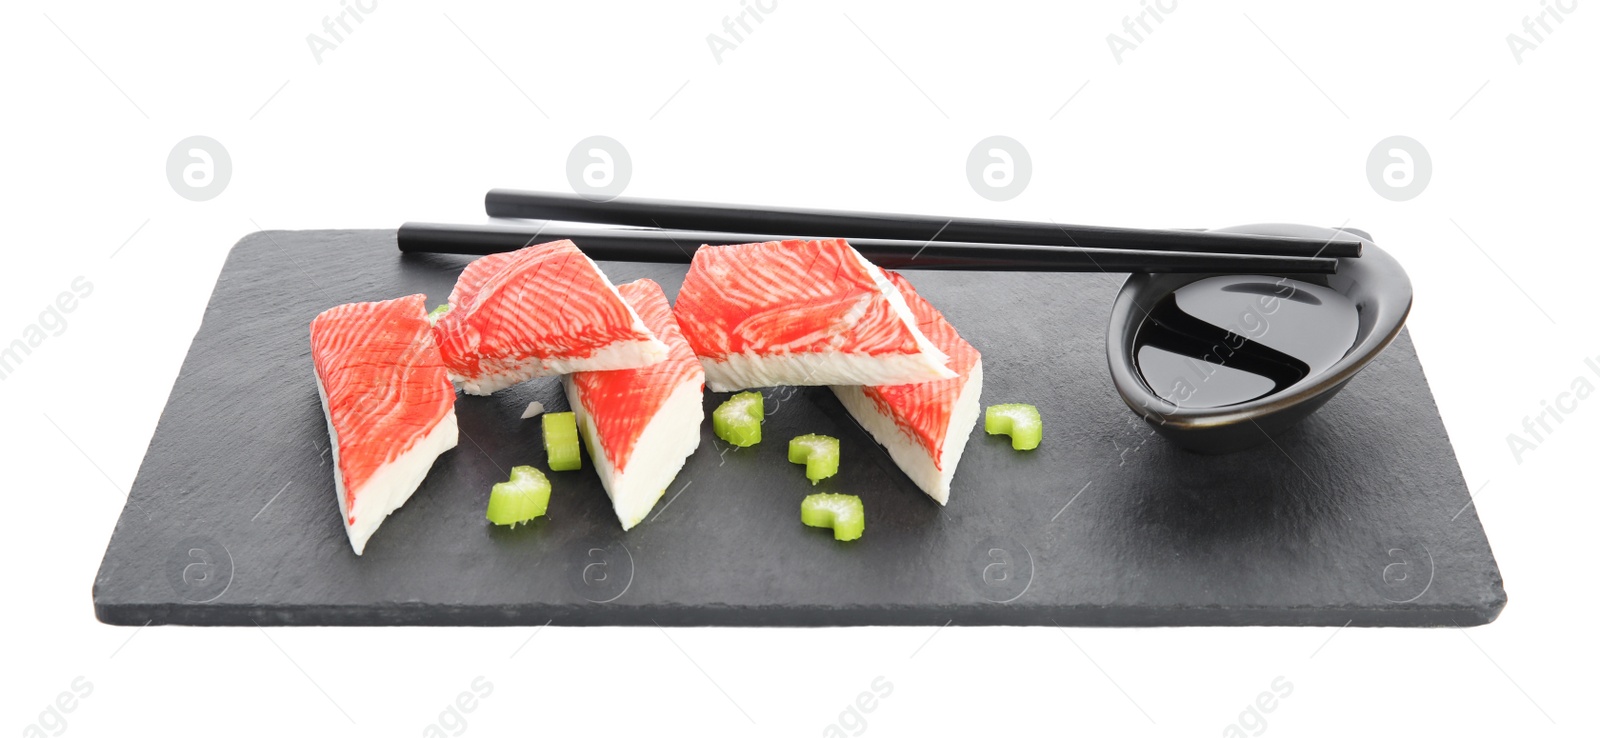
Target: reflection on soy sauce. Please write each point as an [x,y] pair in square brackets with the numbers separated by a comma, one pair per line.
[1226,340]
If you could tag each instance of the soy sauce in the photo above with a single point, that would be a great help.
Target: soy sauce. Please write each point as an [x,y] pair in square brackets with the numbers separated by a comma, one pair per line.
[1227,340]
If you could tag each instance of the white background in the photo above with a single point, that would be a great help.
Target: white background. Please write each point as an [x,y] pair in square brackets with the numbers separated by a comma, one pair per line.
[1228,113]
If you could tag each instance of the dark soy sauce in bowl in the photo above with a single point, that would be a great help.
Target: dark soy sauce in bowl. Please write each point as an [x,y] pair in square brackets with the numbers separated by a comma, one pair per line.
[1231,339]
[1218,364]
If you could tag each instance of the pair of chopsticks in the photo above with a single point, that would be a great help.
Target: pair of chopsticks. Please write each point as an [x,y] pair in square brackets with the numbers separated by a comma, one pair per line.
[667,231]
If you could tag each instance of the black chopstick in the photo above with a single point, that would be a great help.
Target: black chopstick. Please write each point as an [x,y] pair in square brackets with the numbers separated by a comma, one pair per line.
[678,247]
[501,203]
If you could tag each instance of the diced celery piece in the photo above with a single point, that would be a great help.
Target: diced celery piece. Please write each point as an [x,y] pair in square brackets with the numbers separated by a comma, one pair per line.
[525,497]
[738,421]
[561,441]
[1017,420]
[819,453]
[842,513]
[438,312]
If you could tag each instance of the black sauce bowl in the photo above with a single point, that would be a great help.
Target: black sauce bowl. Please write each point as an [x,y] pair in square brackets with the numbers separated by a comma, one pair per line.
[1375,283]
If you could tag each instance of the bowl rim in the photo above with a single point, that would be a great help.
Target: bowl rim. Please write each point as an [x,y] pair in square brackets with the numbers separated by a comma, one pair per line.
[1379,275]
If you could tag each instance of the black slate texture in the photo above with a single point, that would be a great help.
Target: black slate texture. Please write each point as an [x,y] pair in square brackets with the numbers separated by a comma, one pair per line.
[232,519]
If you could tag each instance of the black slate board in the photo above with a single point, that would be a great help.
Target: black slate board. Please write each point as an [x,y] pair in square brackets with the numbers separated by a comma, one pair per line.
[1349,517]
